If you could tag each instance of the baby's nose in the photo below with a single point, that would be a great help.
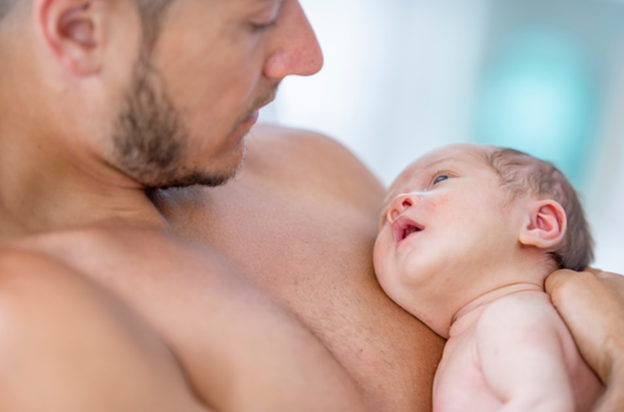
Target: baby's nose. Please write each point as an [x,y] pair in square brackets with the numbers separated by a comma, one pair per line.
[399,204]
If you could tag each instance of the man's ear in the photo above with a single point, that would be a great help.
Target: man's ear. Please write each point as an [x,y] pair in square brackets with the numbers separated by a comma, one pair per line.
[72,29]
[546,224]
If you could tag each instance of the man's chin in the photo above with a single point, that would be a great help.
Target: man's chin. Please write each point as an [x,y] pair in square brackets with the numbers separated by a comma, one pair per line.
[197,178]
[232,163]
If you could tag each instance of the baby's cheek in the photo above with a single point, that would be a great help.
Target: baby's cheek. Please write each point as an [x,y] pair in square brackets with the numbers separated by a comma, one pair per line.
[450,209]
[440,202]
[379,255]
[384,269]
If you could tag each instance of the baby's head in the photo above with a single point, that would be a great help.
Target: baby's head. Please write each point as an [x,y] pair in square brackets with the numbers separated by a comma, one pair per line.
[467,219]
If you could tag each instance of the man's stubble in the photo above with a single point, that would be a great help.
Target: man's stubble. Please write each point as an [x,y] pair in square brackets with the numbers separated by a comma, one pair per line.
[151,140]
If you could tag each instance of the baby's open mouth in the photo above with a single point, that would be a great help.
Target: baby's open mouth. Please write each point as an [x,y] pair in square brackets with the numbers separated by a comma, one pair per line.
[404,228]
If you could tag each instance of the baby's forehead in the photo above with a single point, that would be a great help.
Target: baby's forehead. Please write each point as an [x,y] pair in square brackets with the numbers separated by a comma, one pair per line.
[466,155]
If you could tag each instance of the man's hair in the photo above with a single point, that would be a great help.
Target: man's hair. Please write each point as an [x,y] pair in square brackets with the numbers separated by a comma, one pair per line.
[6,6]
[524,175]
[151,12]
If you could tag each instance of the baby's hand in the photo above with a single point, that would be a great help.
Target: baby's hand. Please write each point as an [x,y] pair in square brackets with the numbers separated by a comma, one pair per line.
[592,305]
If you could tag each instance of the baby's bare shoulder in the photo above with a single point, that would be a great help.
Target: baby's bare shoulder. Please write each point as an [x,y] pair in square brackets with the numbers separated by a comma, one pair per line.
[519,312]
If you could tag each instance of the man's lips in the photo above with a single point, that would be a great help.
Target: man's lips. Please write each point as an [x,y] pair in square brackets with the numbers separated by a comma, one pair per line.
[403,228]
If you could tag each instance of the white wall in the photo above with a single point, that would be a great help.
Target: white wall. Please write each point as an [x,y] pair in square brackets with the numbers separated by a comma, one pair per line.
[399,80]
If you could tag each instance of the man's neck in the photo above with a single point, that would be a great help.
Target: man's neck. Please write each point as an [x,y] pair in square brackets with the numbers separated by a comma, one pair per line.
[44,189]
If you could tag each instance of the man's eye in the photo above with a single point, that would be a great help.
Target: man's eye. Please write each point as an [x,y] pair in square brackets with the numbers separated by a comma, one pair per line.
[440,179]
[262,27]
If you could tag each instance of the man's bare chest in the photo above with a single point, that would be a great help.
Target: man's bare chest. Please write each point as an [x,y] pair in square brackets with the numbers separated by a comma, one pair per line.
[218,325]
[187,294]
[314,255]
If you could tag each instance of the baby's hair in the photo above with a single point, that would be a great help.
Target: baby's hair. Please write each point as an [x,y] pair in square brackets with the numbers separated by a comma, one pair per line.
[525,175]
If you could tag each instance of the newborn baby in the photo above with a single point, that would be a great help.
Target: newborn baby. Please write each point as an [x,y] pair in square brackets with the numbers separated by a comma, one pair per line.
[467,237]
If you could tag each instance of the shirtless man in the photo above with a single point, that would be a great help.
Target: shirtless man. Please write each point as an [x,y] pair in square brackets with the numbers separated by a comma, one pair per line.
[256,296]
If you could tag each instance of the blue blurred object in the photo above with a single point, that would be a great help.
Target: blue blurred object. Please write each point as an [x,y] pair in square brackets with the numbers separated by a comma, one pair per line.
[540,96]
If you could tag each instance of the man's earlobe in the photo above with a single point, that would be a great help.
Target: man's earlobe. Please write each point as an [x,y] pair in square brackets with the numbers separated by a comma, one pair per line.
[72,30]
[546,224]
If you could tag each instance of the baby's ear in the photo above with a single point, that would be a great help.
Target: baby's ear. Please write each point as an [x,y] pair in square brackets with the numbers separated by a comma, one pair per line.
[546,224]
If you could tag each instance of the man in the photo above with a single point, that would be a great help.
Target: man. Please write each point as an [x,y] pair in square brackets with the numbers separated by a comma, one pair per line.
[94,110]
[112,299]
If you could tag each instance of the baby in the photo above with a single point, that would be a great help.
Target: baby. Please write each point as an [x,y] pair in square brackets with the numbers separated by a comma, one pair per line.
[467,236]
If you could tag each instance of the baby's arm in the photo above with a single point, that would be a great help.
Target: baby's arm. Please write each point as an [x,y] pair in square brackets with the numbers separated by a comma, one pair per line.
[521,356]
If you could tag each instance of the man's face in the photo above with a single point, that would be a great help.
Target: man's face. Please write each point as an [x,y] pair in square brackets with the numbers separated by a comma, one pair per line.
[196,95]
[445,220]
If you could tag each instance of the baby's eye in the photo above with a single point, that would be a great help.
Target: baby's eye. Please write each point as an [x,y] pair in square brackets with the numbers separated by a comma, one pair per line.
[440,179]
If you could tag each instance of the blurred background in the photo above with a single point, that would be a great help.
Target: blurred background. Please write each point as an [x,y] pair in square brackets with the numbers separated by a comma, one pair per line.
[403,77]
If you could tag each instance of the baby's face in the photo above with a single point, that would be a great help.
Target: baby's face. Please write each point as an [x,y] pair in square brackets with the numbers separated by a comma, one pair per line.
[445,219]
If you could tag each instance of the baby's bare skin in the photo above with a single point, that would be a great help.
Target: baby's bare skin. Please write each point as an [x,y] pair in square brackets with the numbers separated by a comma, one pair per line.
[103,306]
[459,252]
[512,352]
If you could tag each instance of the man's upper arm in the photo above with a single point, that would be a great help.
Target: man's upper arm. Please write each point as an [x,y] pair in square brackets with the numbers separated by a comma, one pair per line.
[521,357]
[66,345]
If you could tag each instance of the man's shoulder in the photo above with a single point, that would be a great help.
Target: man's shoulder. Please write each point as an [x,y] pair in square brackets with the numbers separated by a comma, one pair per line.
[24,266]
[34,288]
[66,344]
[38,270]
[297,141]
[300,159]
[33,283]
[271,146]
[104,240]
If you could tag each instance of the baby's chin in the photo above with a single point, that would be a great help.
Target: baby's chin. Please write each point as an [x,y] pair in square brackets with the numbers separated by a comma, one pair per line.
[418,305]
[405,290]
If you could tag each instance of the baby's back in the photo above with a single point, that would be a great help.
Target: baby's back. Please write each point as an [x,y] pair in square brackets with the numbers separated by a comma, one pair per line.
[514,351]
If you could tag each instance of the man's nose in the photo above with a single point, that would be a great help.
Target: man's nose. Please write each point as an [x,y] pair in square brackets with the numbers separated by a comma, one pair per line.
[295,50]
[400,204]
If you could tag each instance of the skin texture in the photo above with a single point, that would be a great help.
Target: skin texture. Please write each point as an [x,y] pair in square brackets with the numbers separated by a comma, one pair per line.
[217,331]
[512,352]
[66,68]
[474,271]
[455,185]
[56,357]
[237,349]
[300,220]
[590,303]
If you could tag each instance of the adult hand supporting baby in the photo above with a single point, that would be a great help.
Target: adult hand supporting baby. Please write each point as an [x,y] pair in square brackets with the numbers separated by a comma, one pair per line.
[592,305]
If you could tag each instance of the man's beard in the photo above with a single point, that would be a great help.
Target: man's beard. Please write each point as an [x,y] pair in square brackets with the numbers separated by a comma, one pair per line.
[151,140]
